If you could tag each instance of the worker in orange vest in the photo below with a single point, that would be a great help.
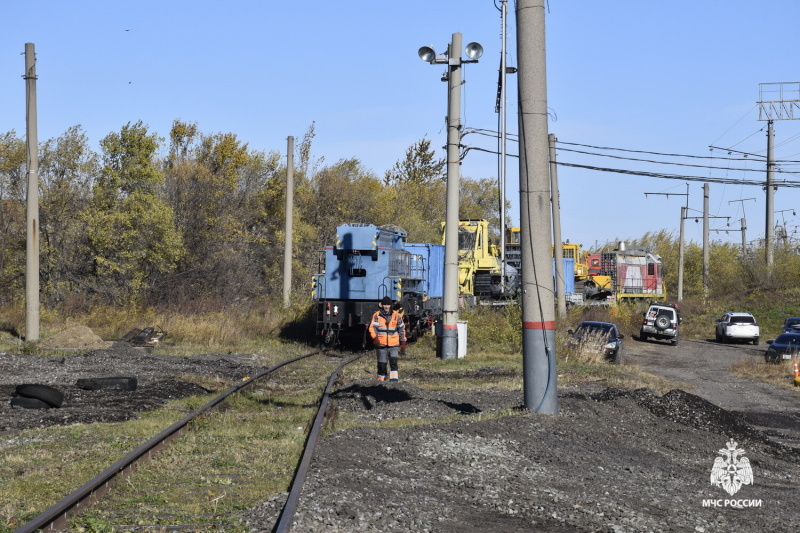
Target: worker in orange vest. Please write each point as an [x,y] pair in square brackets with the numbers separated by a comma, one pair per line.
[388,333]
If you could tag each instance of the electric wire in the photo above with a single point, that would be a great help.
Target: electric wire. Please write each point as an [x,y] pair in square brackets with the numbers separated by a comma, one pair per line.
[493,134]
[653,161]
[667,154]
[735,123]
[704,179]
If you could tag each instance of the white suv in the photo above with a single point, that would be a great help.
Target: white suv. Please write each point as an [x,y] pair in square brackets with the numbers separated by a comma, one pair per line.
[660,321]
[737,327]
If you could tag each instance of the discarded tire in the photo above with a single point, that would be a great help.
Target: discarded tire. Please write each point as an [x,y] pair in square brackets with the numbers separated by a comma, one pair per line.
[21,402]
[126,384]
[53,397]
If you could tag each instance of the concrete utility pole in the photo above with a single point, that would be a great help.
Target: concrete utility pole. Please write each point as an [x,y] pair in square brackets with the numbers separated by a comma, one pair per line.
[538,313]
[705,242]
[680,255]
[32,242]
[744,224]
[558,252]
[287,247]
[744,239]
[769,226]
[777,101]
[501,110]
[684,214]
[448,342]
[449,338]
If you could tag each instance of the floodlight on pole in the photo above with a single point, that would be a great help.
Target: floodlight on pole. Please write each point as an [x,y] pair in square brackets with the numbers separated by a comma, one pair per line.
[427,54]
[447,340]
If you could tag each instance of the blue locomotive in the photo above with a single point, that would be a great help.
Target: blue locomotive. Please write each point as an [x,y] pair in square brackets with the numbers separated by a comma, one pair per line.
[366,263]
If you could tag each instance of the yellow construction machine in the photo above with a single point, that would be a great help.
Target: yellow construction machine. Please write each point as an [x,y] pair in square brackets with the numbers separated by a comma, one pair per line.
[479,263]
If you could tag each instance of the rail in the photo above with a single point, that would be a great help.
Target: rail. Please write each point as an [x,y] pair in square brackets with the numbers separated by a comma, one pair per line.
[55,518]
[284,523]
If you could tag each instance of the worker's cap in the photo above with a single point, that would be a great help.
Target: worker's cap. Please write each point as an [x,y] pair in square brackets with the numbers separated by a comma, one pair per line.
[386,301]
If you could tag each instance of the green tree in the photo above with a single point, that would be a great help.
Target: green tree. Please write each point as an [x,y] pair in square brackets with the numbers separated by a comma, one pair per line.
[67,169]
[13,172]
[413,196]
[339,194]
[217,186]
[131,231]
[419,166]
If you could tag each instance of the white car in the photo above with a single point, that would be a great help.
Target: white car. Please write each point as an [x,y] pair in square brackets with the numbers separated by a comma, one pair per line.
[737,327]
[661,321]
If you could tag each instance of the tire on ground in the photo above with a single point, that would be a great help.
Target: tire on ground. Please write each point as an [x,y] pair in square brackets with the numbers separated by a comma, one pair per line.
[53,397]
[115,383]
[22,402]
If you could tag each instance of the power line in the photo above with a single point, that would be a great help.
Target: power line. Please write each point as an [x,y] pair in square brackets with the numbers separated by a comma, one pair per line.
[664,162]
[639,151]
[705,179]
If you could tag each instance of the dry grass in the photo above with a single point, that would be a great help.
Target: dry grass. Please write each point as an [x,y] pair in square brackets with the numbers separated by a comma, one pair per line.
[756,369]
[209,328]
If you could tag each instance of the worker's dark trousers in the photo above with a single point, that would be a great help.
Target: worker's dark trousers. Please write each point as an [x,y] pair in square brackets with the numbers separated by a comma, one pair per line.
[382,366]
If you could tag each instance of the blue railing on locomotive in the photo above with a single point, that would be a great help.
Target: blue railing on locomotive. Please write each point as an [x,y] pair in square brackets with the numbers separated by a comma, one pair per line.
[433,263]
[416,281]
[417,267]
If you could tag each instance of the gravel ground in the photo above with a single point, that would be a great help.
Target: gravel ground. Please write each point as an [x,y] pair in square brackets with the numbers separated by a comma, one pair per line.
[610,460]
[157,382]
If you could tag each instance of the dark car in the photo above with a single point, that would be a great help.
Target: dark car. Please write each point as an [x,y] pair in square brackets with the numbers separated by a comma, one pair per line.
[791,324]
[783,347]
[603,335]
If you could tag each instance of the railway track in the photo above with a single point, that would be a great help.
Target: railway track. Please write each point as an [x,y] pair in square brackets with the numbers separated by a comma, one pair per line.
[95,496]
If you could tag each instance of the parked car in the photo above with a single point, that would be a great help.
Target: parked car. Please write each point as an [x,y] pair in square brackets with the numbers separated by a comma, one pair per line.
[661,321]
[601,336]
[791,324]
[783,347]
[737,327]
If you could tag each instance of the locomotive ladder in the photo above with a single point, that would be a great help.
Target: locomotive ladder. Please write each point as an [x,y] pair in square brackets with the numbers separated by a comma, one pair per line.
[319,275]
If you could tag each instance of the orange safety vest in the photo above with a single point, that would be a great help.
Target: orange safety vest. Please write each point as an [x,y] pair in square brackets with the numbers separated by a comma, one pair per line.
[388,333]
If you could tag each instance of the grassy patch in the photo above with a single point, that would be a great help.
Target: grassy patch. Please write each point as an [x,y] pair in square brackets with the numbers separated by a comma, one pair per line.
[756,369]
[226,462]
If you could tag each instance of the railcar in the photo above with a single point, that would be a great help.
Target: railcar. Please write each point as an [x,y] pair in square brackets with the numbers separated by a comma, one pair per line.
[366,263]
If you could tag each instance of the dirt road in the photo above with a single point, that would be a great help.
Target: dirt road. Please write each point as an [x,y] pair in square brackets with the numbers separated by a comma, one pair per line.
[704,366]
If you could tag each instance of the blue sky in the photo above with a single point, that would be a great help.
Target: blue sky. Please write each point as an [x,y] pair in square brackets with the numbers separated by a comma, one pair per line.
[651,77]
